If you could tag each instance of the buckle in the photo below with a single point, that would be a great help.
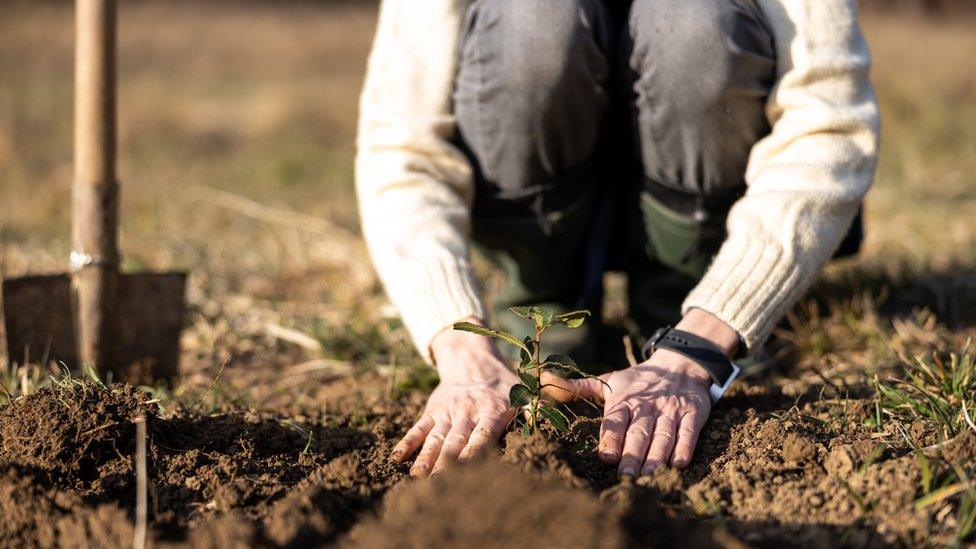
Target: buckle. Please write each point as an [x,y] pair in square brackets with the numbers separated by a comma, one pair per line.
[651,346]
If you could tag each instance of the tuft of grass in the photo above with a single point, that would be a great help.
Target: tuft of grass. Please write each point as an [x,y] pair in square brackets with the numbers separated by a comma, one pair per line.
[939,389]
[948,490]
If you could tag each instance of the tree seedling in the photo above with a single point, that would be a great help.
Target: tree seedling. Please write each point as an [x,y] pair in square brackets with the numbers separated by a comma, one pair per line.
[528,393]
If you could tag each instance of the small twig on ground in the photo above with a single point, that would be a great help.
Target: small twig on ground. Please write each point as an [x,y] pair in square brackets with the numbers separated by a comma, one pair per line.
[965,414]
[941,445]
[292,335]
[275,216]
[629,350]
[96,429]
[139,540]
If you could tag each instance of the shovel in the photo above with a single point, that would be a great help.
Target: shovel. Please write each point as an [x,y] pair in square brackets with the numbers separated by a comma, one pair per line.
[124,325]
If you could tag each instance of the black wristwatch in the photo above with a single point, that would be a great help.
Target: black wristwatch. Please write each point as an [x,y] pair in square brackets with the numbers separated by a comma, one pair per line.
[699,350]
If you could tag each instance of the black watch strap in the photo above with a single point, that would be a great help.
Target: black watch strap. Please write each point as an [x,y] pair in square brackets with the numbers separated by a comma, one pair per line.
[699,350]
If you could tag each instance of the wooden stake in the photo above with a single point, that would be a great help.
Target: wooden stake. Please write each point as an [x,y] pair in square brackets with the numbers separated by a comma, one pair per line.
[139,541]
[95,256]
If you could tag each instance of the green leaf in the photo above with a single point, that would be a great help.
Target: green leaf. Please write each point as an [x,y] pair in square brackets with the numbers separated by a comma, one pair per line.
[526,354]
[524,312]
[556,418]
[473,328]
[498,334]
[519,395]
[561,365]
[530,381]
[573,319]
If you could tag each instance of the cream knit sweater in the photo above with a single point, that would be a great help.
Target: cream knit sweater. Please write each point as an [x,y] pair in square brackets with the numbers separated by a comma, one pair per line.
[805,180]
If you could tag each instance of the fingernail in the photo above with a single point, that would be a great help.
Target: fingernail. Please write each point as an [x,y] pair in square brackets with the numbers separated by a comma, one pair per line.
[680,463]
[628,472]
[397,455]
[418,471]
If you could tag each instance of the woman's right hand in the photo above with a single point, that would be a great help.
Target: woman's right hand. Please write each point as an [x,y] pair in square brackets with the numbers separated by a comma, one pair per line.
[467,412]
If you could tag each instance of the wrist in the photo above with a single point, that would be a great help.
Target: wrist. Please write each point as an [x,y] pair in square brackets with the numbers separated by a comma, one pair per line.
[681,365]
[464,356]
[450,341]
[709,327]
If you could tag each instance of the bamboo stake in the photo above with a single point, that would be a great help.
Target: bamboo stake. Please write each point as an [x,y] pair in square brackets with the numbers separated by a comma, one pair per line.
[95,255]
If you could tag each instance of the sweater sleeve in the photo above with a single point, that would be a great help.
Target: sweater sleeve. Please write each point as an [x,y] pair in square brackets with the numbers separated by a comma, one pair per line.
[414,186]
[807,178]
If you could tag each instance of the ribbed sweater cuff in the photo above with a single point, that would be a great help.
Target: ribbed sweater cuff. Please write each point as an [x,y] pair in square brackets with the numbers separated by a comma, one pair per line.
[433,295]
[749,285]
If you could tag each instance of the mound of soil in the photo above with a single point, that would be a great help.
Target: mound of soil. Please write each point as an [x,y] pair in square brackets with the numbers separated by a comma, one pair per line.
[490,504]
[76,436]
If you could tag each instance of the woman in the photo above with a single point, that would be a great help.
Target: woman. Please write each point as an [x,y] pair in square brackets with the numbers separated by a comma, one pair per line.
[716,150]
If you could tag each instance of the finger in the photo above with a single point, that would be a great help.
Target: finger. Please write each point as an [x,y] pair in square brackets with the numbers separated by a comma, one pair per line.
[566,390]
[612,431]
[486,432]
[456,440]
[432,448]
[637,443]
[688,430]
[412,440]
[662,442]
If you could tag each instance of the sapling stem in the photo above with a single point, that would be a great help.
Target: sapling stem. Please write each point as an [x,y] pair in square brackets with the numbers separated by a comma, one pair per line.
[528,393]
[536,350]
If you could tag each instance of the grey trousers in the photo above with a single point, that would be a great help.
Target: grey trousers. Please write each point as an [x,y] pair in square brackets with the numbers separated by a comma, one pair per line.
[589,122]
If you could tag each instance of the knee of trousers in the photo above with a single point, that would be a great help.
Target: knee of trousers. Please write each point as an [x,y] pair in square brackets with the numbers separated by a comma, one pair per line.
[529,95]
[703,55]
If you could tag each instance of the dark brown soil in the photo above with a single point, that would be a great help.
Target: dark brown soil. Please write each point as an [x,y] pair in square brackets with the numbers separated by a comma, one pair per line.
[769,475]
[68,456]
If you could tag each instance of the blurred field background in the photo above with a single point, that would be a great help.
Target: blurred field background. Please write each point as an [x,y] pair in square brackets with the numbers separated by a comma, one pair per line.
[237,124]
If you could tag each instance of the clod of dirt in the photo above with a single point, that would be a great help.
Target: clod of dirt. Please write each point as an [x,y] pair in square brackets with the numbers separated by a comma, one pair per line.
[490,504]
[841,462]
[76,435]
[798,449]
[844,459]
